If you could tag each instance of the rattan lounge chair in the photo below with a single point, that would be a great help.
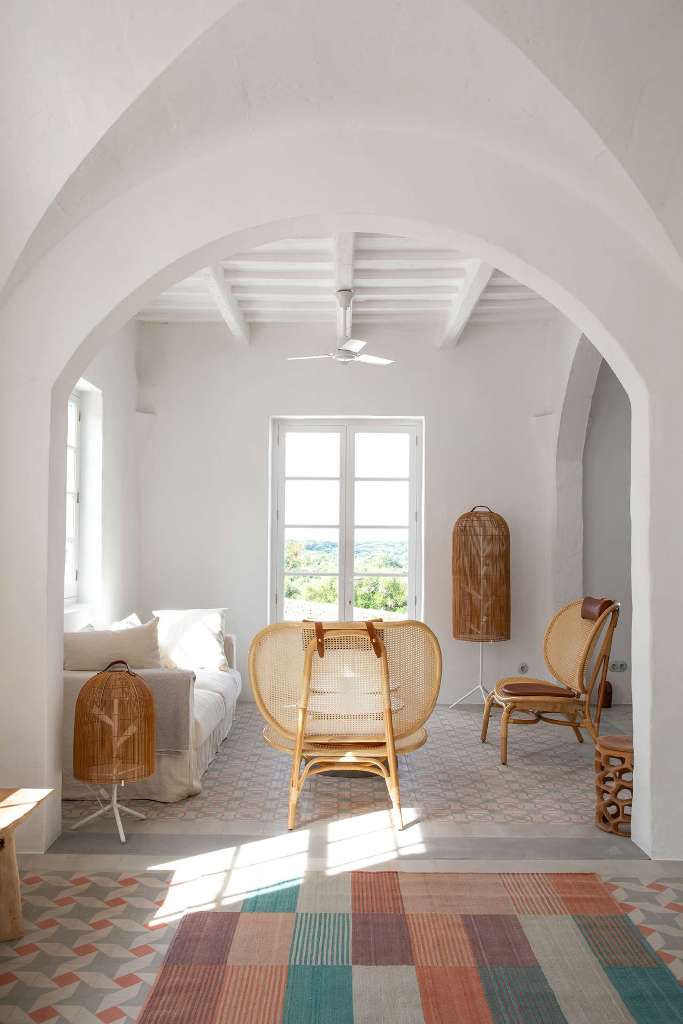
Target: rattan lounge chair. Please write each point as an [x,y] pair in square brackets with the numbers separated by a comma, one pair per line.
[345,696]
[577,648]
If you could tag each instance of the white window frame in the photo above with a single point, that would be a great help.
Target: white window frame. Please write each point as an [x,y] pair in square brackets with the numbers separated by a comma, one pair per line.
[71,586]
[347,428]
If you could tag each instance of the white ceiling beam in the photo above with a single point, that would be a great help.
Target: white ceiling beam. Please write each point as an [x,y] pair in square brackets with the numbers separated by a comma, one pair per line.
[396,306]
[409,278]
[343,279]
[281,279]
[284,295]
[476,279]
[291,318]
[421,314]
[228,307]
[410,261]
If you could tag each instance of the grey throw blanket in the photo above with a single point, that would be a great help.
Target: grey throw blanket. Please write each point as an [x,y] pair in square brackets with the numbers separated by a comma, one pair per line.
[173,693]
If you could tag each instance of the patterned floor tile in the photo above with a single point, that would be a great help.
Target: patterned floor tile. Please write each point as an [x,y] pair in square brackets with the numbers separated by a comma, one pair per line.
[90,949]
[549,778]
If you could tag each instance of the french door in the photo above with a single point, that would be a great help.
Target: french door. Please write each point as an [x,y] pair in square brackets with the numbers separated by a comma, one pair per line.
[346,519]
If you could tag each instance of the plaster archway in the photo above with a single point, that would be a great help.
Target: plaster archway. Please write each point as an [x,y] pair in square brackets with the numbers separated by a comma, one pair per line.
[156,270]
[431,184]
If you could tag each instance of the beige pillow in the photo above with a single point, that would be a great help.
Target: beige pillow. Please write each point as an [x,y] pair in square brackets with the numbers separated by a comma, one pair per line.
[94,649]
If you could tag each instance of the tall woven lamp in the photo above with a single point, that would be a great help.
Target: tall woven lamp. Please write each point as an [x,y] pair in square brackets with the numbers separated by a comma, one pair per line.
[114,734]
[481,583]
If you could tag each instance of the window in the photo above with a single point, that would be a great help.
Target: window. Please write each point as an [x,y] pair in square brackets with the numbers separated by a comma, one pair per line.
[73,460]
[347,519]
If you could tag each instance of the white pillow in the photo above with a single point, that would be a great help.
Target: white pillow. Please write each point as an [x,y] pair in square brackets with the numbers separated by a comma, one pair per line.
[96,648]
[193,638]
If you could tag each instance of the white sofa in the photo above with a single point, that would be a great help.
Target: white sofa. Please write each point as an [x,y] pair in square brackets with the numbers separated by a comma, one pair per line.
[211,698]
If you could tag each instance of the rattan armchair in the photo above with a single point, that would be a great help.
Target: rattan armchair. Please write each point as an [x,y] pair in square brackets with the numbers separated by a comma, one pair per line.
[576,649]
[345,696]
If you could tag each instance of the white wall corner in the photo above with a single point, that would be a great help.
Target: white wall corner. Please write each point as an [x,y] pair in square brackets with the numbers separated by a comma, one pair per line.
[568,471]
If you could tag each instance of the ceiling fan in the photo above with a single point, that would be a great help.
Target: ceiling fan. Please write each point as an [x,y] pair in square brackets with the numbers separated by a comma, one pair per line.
[351,350]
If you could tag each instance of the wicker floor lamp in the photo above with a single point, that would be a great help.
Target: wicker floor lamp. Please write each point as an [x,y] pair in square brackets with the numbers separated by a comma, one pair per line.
[481,583]
[114,734]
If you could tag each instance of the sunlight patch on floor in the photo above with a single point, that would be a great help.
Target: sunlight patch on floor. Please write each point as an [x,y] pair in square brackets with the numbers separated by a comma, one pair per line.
[370,839]
[222,878]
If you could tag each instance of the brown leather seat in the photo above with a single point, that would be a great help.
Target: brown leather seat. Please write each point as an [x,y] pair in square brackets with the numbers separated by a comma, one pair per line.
[620,744]
[532,688]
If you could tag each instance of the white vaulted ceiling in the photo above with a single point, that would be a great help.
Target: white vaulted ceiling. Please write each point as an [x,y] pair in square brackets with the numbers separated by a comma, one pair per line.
[394,281]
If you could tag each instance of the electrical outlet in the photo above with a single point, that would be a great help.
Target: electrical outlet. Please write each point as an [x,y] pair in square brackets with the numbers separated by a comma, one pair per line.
[523,668]
[618,666]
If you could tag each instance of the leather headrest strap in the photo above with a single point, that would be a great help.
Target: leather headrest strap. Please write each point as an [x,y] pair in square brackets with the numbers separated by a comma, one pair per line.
[320,639]
[593,607]
[374,638]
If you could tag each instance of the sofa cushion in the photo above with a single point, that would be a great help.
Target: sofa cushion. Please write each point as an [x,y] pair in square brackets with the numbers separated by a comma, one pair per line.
[193,638]
[94,649]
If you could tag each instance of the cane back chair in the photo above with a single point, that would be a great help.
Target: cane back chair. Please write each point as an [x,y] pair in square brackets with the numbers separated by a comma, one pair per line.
[345,696]
[576,649]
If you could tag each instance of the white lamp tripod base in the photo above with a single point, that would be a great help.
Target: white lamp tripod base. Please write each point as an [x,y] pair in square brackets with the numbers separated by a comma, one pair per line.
[480,685]
[115,807]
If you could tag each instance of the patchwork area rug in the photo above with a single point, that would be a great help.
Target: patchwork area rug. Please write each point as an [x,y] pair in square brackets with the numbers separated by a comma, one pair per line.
[416,947]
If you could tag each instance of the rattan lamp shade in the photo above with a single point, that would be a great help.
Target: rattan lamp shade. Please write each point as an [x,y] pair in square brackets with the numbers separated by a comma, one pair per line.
[114,728]
[481,576]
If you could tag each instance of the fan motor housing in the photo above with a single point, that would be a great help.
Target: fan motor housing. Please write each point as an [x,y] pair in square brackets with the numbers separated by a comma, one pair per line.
[344,356]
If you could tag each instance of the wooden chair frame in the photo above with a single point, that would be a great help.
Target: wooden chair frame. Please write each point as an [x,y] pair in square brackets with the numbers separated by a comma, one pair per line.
[571,705]
[374,753]
[349,761]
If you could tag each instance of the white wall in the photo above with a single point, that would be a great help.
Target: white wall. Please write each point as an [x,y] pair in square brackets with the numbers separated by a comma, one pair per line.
[205,464]
[113,373]
[606,512]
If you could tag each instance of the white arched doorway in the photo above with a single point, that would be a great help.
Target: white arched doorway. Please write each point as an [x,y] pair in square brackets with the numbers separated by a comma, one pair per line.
[236,192]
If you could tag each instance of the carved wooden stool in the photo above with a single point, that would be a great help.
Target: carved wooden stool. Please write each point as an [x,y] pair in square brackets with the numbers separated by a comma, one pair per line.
[614,784]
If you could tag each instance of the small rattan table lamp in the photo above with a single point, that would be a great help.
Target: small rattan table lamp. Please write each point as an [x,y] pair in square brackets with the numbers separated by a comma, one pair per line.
[114,733]
[481,583]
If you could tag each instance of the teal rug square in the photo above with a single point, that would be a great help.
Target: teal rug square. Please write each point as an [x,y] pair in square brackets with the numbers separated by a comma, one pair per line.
[520,995]
[651,994]
[319,995]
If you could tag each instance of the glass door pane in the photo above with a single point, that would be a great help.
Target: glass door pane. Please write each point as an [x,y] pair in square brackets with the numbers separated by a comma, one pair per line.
[376,550]
[311,597]
[312,501]
[381,597]
[311,550]
[312,454]
[382,455]
[382,503]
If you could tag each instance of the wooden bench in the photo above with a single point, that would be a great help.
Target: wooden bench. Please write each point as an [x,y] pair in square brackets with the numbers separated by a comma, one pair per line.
[15,807]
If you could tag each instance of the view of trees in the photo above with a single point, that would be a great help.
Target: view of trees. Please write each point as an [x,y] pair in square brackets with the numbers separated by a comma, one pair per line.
[374,593]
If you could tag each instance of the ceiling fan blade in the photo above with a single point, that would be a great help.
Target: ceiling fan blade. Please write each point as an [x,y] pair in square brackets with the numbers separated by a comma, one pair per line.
[353,345]
[292,359]
[375,360]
